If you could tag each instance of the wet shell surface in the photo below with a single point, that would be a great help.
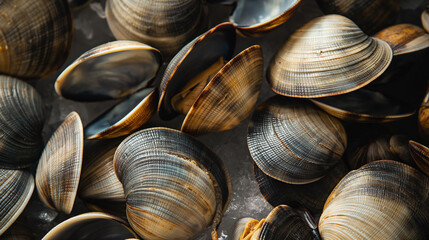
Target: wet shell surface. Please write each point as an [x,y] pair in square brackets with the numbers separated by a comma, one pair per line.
[381,200]
[328,56]
[293,141]
[253,16]
[59,168]
[16,188]
[164,24]
[35,37]
[21,122]
[420,154]
[109,71]
[175,187]
[92,225]
[370,15]
[404,38]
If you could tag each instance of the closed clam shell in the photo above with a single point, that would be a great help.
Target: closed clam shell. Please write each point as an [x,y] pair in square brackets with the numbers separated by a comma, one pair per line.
[404,38]
[59,168]
[381,200]
[328,56]
[370,15]
[420,154]
[253,16]
[21,123]
[175,187]
[293,141]
[164,24]
[16,188]
[92,225]
[109,71]
[35,37]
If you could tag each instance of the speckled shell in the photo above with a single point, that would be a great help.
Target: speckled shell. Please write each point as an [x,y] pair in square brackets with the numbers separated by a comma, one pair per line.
[124,118]
[404,38]
[293,141]
[16,188]
[370,15]
[252,17]
[59,168]
[109,71]
[92,225]
[364,106]
[328,56]
[420,154]
[21,122]
[166,25]
[175,187]
[35,37]
[381,200]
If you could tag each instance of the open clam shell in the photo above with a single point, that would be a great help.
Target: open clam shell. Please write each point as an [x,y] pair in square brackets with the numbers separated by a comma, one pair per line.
[176,22]
[125,117]
[364,106]
[369,15]
[420,154]
[21,123]
[252,16]
[16,188]
[35,37]
[175,187]
[109,71]
[59,168]
[381,200]
[328,56]
[92,225]
[404,38]
[293,141]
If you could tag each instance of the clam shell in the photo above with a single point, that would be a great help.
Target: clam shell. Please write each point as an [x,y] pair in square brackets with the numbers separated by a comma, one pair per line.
[404,38]
[21,122]
[109,71]
[92,225]
[16,188]
[124,118]
[293,141]
[364,106]
[420,154]
[425,18]
[328,56]
[35,37]
[59,168]
[253,17]
[381,200]
[423,116]
[164,24]
[174,185]
[370,15]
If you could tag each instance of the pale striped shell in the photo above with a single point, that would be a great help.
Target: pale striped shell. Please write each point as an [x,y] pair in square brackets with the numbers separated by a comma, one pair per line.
[328,56]
[35,37]
[58,172]
[420,154]
[16,188]
[381,200]
[175,187]
[293,141]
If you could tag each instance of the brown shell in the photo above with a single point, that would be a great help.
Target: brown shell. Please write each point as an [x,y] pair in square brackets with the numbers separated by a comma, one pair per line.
[420,154]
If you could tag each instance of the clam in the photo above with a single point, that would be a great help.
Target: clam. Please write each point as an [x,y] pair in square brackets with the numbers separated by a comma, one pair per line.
[328,56]
[213,95]
[364,105]
[58,171]
[21,122]
[92,225]
[175,187]
[404,38]
[252,16]
[381,200]
[166,25]
[36,37]
[16,188]
[423,116]
[293,141]
[425,18]
[283,222]
[420,154]
[370,15]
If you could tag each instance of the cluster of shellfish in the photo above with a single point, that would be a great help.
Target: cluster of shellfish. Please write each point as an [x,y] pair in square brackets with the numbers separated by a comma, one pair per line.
[336,147]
